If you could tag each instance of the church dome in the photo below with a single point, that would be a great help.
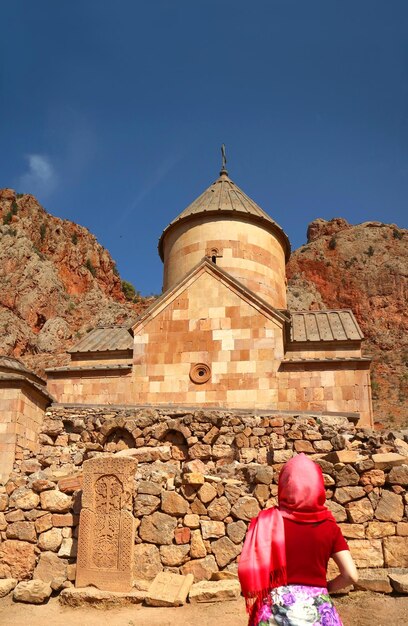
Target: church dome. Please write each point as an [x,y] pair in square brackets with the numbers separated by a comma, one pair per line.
[226,226]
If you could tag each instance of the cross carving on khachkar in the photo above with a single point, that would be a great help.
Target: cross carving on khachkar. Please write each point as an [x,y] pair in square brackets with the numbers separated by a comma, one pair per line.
[106,525]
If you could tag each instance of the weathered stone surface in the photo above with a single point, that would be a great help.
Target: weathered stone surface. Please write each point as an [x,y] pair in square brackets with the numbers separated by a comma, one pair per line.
[182,535]
[402,529]
[24,499]
[197,550]
[191,520]
[90,596]
[207,493]
[198,508]
[345,476]
[17,559]
[55,501]
[43,523]
[145,504]
[264,475]
[7,585]
[24,531]
[374,477]
[212,530]
[193,478]
[225,551]
[388,460]
[195,466]
[219,509]
[236,531]
[173,556]
[398,475]
[14,516]
[245,508]
[174,504]
[339,512]
[222,451]
[367,553]
[147,454]
[215,591]
[200,451]
[281,456]
[50,540]
[3,501]
[147,563]
[374,580]
[347,494]
[70,484]
[342,456]
[169,589]
[399,582]
[42,484]
[32,591]
[376,530]
[50,566]
[59,520]
[149,488]
[390,507]
[353,531]
[396,551]
[360,511]
[69,548]
[225,575]
[157,528]
[202,569]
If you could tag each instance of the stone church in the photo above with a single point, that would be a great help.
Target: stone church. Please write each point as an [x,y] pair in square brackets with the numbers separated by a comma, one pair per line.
[220,335]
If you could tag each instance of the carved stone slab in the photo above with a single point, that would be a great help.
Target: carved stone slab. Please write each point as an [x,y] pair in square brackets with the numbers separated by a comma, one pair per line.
[106,525]
[169,589]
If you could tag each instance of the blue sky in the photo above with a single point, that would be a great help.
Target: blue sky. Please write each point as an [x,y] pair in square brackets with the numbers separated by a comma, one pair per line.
[113,113]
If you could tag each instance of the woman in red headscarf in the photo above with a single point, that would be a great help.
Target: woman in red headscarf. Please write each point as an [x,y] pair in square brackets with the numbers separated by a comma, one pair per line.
[282,568]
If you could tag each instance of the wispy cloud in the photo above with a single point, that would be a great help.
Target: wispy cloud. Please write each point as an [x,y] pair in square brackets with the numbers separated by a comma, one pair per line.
[40,177]
[153,180]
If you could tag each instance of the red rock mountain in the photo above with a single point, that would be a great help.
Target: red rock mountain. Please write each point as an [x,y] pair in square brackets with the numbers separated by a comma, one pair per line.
[57,282]
[364,268]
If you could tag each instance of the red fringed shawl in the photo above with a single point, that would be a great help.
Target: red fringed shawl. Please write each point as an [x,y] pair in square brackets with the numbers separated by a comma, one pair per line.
[262,565]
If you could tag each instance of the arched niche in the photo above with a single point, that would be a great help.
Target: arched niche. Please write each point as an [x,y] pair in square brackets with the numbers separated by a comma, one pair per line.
[119,439]
[178,444]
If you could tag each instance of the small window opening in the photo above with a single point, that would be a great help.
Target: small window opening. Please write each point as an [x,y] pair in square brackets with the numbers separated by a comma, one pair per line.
[214,259]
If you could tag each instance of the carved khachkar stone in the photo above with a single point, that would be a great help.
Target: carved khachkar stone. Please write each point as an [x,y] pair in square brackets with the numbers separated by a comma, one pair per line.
[106,525]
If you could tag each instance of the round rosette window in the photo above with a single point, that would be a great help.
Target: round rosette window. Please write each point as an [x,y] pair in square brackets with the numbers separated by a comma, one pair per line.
[200,373]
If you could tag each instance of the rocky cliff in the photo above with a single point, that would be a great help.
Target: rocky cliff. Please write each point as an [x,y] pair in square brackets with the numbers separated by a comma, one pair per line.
[56,280]
[364,268]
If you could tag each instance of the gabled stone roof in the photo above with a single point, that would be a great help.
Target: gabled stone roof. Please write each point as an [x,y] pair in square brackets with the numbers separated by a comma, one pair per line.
[105,339]
[325,326]
[13,372]
[11,365]
[224,197]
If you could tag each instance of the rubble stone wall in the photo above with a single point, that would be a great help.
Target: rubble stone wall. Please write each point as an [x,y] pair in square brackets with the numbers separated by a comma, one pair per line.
[201,476]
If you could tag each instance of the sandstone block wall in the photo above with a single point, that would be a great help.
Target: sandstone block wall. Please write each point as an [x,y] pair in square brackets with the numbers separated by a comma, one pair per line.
[22,411]
[242,347]
[200,478]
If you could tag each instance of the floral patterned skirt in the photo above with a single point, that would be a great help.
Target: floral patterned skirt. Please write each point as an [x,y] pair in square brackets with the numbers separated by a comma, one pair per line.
[299,605]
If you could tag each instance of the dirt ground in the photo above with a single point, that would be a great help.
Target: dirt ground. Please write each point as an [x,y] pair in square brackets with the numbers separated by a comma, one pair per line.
[358,609]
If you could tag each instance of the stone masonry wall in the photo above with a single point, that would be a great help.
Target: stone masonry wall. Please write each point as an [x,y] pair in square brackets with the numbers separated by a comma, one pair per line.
[201,477]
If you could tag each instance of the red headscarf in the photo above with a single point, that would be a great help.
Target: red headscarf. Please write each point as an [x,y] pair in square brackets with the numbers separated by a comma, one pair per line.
[262,565]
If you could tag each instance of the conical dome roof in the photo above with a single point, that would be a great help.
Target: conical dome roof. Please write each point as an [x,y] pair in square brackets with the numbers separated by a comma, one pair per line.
[224,197]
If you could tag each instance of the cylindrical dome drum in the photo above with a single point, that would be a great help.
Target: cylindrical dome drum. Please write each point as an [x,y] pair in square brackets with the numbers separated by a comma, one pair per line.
[231,230]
